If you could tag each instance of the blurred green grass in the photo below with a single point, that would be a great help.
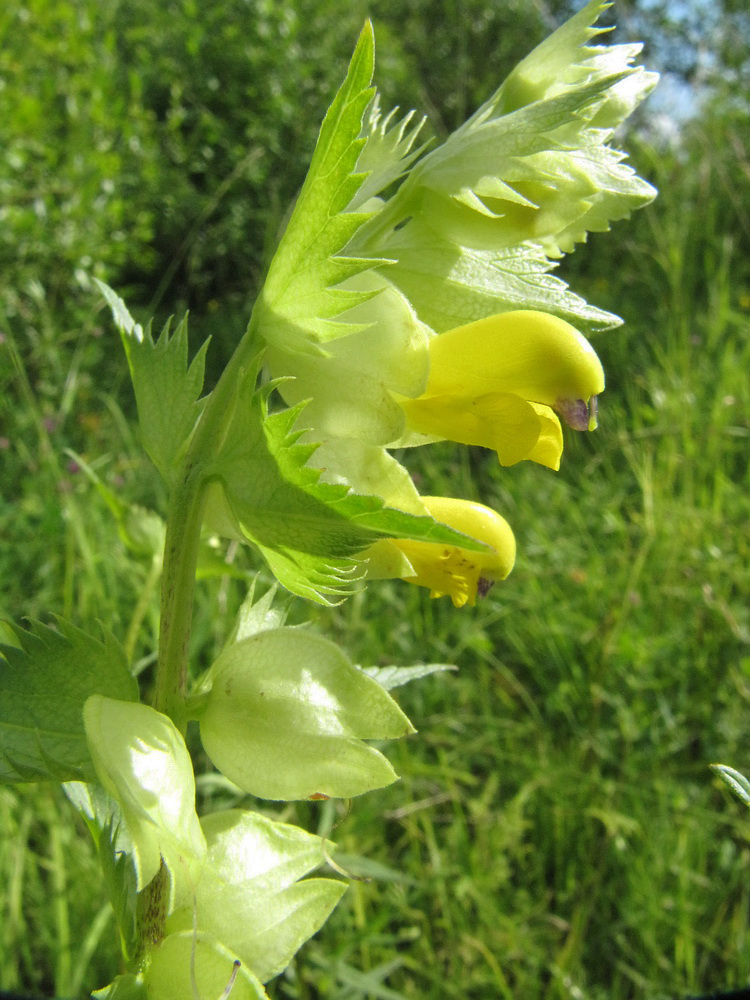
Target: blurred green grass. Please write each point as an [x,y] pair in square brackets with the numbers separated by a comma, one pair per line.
[556,832]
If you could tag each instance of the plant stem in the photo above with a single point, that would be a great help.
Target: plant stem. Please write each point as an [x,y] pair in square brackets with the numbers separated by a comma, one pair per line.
[178,586]
[184,518]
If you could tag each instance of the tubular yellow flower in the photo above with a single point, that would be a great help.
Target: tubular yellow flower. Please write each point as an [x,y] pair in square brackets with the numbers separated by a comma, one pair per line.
[498,381]
[448,569]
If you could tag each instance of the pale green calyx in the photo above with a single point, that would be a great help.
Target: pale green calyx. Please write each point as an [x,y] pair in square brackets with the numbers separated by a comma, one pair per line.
[368,469]
[191,965]
[349,388]
[252,895]
[287,714]
[142,761]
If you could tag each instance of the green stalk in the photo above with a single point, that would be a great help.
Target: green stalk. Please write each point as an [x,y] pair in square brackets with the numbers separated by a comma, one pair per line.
[178,586]
[184,519]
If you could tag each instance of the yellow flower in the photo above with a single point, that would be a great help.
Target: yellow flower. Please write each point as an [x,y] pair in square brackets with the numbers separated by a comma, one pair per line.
[447,569]
[498,382]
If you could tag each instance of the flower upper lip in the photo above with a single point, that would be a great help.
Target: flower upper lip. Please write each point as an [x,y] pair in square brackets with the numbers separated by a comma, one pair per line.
[536,355]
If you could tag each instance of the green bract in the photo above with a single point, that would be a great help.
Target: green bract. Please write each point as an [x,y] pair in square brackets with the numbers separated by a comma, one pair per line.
[166,387]
[286,716]
[103,817]
[471,228]
[302,298]
[261,489]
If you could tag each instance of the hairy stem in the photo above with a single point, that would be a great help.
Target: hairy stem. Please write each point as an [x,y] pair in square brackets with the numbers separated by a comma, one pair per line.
[183,535]
[181,546]
[178,586]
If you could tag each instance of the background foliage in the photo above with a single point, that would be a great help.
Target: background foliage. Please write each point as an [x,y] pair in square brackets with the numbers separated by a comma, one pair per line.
[557,832]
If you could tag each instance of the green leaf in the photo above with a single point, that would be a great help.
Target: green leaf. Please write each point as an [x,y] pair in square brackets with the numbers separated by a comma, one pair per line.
[308,531]
[287,714]
[44,684]
[736,781]
[114,849]
[393,677]
[300,300]
[249,896]
[166,387]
